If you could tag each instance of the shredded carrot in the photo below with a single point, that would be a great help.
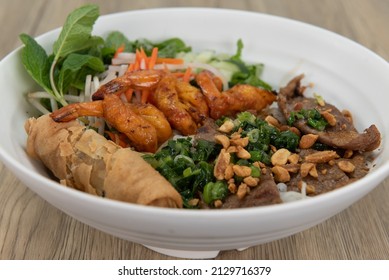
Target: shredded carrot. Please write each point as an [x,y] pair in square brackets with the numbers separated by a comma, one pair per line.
[131,67]
[169,60]
[145,95]
[178,74]
[136,64]
[128,94]
[153,58]
[119,50]
[187,74]
[137,60]
[142,61]
[142,53]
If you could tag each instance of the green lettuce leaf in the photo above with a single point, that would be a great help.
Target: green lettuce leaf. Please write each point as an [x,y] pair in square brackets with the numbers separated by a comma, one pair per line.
[71,67]
[76,32]
[36,62]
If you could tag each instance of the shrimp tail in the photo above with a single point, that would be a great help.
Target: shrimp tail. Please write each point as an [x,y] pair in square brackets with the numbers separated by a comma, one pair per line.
[76,110]
[140,79]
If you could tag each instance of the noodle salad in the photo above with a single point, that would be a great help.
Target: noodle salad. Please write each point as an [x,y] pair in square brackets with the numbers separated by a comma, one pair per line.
[201,122]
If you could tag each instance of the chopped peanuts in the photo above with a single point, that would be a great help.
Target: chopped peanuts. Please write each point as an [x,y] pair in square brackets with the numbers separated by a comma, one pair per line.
[306,168]
[285,165]
[242,142]
[228,172]
[242,191]
[330,118]
[232,149]
[236,135]
[309,189]
[313,172]
[227,126]
[272,121]
[321,157]
[280,157]
[242,171]
[308,140]
[280,174]
[222,162]
[294,130]
[292,167]
[223,140]
[348,154]
[346,166]
[194,202]
[232,188]
[293,158]
[347,114]
[217,203]
[251,181]
[242,153]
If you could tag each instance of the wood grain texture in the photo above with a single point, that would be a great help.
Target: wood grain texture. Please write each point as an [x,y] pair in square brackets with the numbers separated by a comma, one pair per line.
[30,228]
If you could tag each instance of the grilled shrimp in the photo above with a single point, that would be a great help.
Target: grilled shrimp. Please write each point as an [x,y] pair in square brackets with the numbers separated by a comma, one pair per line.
[143,131]
[183,105]
[140,79]
[193,101]
[166,99]
[154,116]
[236,99]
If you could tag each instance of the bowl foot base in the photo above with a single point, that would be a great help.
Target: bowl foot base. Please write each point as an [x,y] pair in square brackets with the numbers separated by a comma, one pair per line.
[185,254]
[188,254]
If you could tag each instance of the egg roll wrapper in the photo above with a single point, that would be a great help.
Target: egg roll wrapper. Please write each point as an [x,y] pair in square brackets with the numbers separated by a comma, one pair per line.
[85,160]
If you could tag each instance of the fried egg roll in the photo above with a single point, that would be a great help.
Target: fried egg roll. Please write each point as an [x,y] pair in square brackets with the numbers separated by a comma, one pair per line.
[85,160]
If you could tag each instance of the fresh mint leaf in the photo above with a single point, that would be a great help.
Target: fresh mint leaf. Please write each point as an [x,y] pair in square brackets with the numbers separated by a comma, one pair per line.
[167,48]
[73,64]
[248,74]
[36,61]
[75,36]
[170,47]
[76,32]
[251,76]
[238,55]
[113,41]
[116,39]
[76,53]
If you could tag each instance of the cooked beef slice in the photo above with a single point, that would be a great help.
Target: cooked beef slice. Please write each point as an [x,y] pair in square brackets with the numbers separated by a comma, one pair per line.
[207,131]
[266,193]
[330,175]
[341,135]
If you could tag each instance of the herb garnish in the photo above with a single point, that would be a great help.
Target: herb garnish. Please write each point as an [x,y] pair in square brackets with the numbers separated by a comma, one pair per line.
[261,135]
[72,57]
[167,48]
[187,164]
[312,117]
[249,73]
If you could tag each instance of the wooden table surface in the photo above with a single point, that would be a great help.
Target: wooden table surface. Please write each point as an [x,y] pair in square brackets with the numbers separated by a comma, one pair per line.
[30,228]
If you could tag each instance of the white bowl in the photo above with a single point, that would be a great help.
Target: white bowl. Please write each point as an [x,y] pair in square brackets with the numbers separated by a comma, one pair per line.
[343,72]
